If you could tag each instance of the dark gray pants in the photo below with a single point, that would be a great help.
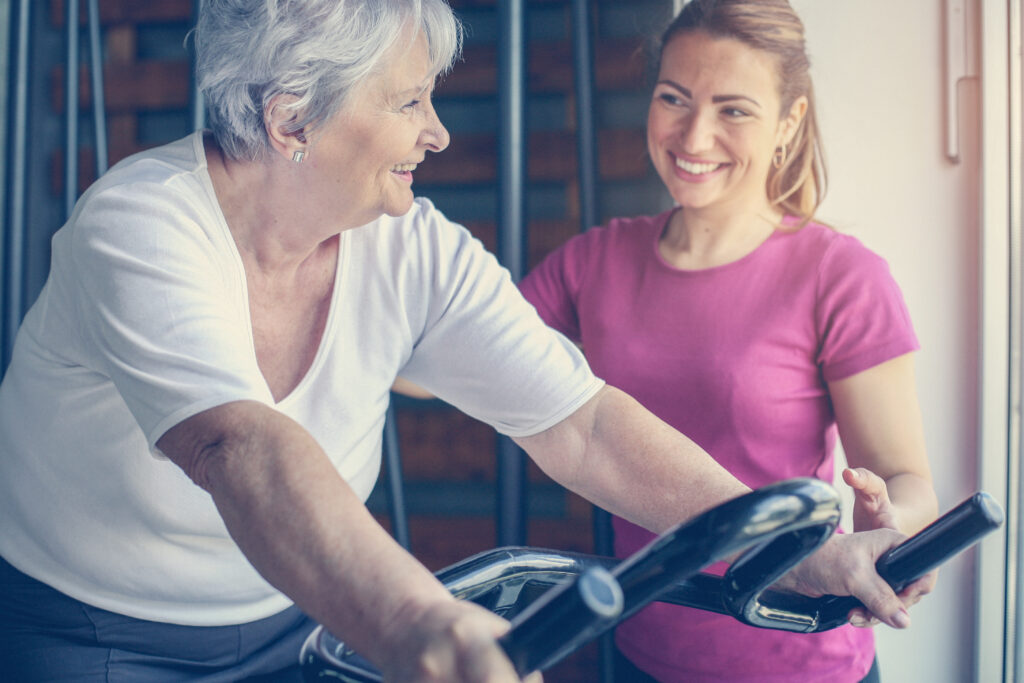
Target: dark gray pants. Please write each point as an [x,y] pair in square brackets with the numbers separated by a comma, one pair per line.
[48,636]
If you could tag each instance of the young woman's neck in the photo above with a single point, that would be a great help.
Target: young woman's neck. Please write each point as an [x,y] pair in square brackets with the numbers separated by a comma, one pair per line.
[695,239]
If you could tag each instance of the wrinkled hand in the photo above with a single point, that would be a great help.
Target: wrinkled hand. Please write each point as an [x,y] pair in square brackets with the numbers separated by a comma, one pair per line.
[452,641]
[845,565]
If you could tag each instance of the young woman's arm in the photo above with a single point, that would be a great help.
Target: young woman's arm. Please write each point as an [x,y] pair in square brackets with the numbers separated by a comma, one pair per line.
[880,427]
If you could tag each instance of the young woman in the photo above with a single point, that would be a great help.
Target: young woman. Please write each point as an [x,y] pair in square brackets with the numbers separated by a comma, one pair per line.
[745,324]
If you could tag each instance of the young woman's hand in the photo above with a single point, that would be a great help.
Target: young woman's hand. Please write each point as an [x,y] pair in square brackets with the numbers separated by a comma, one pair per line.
[872,508]
[845,565]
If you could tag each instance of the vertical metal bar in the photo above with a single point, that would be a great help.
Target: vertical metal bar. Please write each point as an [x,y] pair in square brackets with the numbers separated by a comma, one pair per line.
[396,488]
[12,244]
[99,109]
[1003,247]
[198,101]
[71,110]
[511,512]
[1013,655]
[586,128]
[586,155]
[587,162]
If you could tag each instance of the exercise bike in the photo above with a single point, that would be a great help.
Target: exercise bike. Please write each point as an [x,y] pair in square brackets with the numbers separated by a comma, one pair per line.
[559,601]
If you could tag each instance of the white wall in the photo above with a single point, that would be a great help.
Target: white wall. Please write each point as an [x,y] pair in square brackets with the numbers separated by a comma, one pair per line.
[878,70]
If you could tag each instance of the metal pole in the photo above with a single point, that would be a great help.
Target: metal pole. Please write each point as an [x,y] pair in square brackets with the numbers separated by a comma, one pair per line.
[587,161]
[12,245]
[396,488]
[99,109]
[586,129]
[586,146]
[71,110]
[511,513]
[198,101]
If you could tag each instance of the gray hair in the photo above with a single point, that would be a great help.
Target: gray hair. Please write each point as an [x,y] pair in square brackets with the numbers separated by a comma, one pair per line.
[250,51]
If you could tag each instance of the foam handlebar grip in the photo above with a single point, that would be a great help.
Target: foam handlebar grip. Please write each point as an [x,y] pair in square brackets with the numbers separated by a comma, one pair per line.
[562,620]
[953,532]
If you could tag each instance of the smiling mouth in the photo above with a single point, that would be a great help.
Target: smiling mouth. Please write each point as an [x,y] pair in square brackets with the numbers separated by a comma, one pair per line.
[696,168]
[404,168]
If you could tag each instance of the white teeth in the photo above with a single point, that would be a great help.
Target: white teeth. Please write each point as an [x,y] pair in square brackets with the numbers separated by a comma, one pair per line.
[402,168]
[696,169]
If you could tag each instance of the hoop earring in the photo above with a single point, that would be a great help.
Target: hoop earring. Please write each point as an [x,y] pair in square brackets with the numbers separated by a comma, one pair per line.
[299,155]
[780,156]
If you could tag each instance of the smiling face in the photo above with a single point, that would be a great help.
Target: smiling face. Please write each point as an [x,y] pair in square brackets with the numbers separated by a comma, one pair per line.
[365,156]
[713,123]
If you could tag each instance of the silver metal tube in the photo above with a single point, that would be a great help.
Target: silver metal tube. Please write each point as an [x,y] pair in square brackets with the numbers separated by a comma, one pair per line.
[511,508]
[512,149]
[12,245]
[396,488]
[587,176]
[99,109]
[586,128]
[71,111]
[198,101]
[1013,654]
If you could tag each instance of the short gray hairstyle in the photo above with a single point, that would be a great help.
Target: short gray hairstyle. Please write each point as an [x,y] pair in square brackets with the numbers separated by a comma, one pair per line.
[250,51]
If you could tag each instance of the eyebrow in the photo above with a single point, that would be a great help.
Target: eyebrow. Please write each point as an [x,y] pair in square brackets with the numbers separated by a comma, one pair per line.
[416,90]
[715,98]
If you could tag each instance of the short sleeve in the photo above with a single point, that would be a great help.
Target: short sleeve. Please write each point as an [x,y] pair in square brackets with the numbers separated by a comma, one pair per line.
[862,317]
[484,349]
[162,303]
[553,286]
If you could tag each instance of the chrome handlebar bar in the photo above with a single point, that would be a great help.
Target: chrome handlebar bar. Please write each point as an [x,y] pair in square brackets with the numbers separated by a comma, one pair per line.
[558,601]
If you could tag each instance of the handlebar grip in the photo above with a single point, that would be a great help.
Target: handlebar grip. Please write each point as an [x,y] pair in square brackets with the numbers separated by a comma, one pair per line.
[957,530]
[562,620]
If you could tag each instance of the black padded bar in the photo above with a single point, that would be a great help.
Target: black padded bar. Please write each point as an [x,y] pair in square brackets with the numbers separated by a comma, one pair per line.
[563,620]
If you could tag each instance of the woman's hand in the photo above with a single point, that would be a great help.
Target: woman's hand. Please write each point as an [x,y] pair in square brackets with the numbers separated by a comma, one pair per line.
[451,641]
[872,508]
[312,537]
[845,565]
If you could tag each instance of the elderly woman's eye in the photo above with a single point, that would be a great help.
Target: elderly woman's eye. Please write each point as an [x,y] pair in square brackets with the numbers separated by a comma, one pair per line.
[411,105]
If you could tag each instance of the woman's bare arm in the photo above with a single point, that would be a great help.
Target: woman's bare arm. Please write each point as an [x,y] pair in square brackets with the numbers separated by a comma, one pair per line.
[620,456]
[310,536]
[880,426]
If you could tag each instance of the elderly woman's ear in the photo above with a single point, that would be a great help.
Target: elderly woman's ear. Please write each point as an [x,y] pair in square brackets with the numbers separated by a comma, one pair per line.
[279,120]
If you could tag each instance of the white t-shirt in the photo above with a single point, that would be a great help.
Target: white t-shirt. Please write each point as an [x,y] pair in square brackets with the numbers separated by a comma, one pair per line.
[144,321]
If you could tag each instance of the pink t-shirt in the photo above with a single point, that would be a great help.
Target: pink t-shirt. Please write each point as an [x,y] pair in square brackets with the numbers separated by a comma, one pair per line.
[737,358]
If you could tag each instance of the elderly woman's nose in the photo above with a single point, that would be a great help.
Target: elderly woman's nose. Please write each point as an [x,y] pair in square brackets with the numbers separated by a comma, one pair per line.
[435,135]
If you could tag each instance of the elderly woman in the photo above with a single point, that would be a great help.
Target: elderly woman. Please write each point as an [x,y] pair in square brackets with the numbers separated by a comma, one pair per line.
[192,419]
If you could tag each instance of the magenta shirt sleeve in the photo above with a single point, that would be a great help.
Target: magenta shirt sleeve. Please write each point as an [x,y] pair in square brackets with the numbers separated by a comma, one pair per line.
[862,318]
[553,287]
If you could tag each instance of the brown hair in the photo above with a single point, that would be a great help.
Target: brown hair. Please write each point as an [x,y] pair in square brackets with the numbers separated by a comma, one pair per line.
[773,27]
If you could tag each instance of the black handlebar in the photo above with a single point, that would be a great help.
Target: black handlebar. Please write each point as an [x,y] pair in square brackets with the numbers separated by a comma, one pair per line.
[562,620]
[774,527]
[953,532]
[558,601]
